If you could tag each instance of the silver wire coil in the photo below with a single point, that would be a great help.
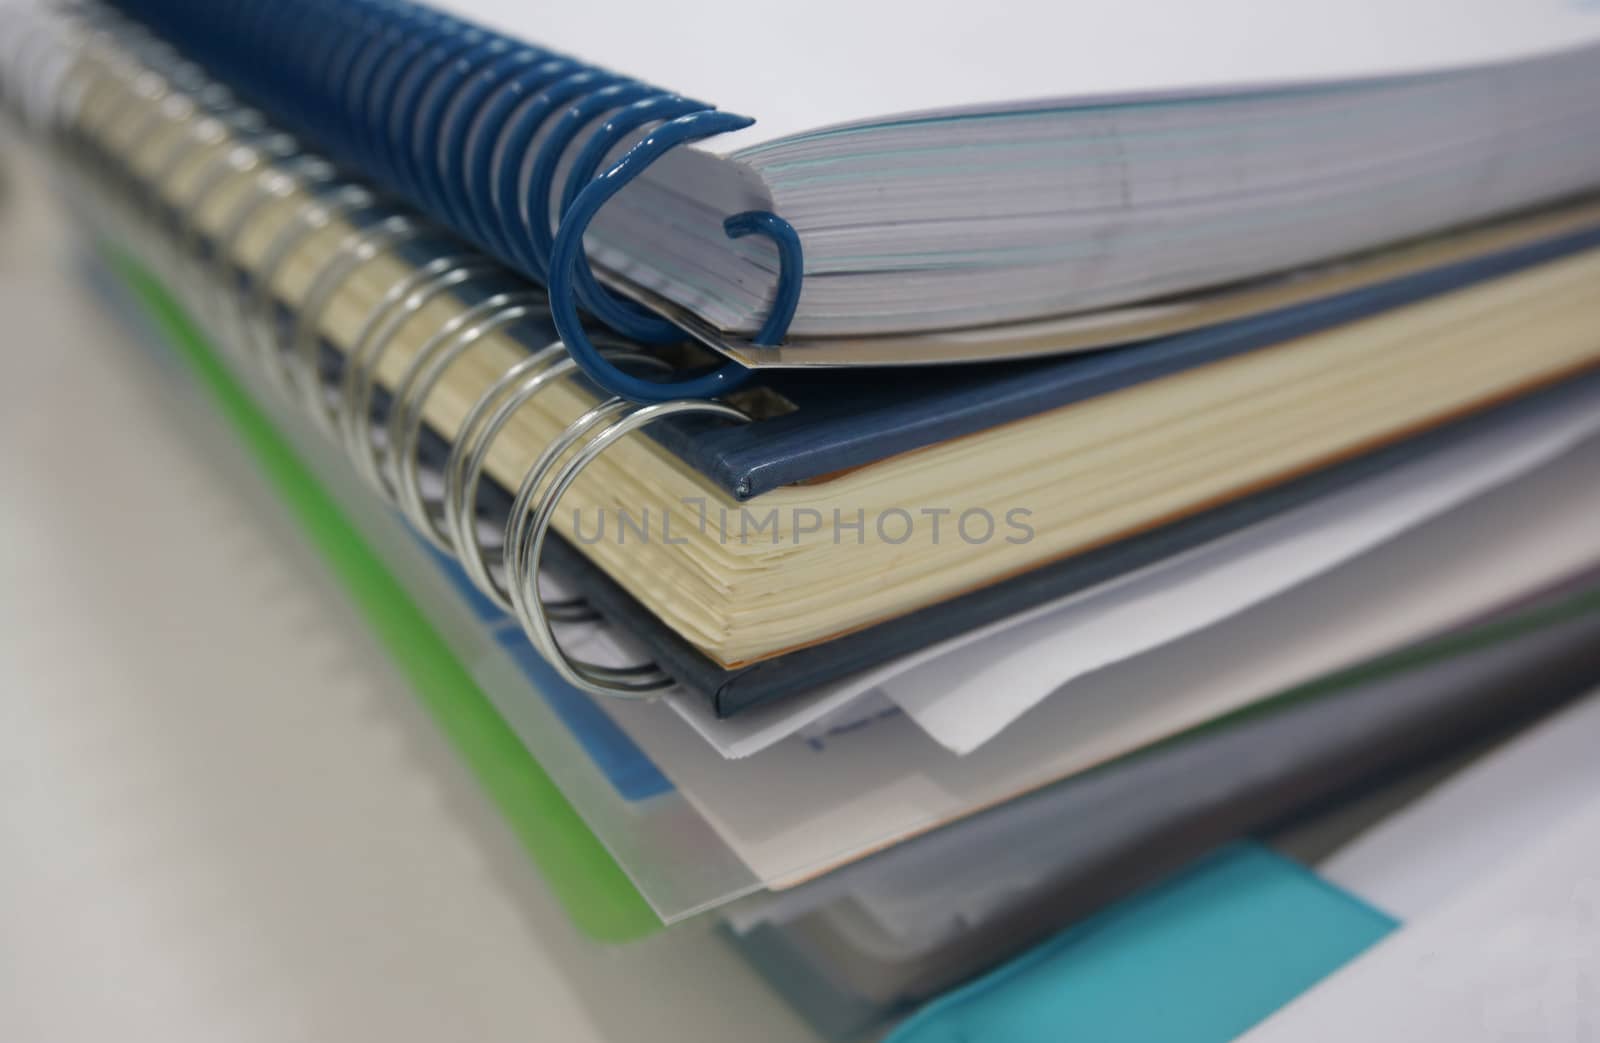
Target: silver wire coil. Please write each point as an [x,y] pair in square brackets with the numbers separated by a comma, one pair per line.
[130,95]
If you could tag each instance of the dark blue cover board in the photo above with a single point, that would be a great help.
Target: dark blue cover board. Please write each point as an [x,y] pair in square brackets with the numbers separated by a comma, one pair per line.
[848,419]
[733,689]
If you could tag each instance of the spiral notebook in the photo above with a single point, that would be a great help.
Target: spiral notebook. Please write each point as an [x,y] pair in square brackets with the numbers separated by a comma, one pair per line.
[899,168]
[784,536]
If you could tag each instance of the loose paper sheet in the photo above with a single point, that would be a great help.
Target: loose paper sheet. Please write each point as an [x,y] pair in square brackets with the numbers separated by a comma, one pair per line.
[803,807]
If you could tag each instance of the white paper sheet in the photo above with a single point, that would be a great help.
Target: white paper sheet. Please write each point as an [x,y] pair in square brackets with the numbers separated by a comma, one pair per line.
[797,67]
[1475,820]
[1414,859]
[1515,956]
[966,690]
[966,699]
[801,808]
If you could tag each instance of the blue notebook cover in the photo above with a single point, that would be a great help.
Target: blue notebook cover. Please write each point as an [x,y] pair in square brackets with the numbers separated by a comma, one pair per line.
[848,420]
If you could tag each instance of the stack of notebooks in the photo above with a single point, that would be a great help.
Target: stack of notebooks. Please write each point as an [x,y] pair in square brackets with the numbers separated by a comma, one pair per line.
[1013,463]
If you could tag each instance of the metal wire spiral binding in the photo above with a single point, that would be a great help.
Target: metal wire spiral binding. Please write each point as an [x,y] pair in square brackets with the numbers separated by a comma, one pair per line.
[174,94]
[358,249]
[246,144]
[186,241]
[364,440]
[200,138]
[464,469]
[529,529]
[422,375]
[26,55]
[150,101]
[105,91]
[469,452]
[630,681]
[272,183]
[239,157]
[83,83]
[151,107]
[331,202]
[273,158]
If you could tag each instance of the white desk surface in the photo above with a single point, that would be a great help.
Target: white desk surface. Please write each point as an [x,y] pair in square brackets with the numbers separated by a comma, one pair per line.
[222,815]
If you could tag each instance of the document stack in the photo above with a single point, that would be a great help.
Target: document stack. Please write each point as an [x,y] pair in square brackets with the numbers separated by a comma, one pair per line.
[930,513]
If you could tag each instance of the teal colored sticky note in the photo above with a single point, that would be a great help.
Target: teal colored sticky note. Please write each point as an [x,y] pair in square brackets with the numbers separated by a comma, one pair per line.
[1197,959]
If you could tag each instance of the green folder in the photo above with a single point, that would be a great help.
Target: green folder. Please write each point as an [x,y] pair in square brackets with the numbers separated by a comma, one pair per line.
[585,879]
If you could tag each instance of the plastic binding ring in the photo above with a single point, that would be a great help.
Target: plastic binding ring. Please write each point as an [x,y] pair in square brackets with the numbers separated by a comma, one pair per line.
[408,76]
[433,121]
[485,148]
[515,157]
[570,274]
[538,181]
[460,124]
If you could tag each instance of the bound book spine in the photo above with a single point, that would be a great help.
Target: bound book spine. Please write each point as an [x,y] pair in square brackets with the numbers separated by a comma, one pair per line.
[120,94]
[471,127]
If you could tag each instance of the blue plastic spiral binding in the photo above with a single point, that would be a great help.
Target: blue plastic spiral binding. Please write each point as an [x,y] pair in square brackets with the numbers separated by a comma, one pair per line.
[571,278]
[447,114]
